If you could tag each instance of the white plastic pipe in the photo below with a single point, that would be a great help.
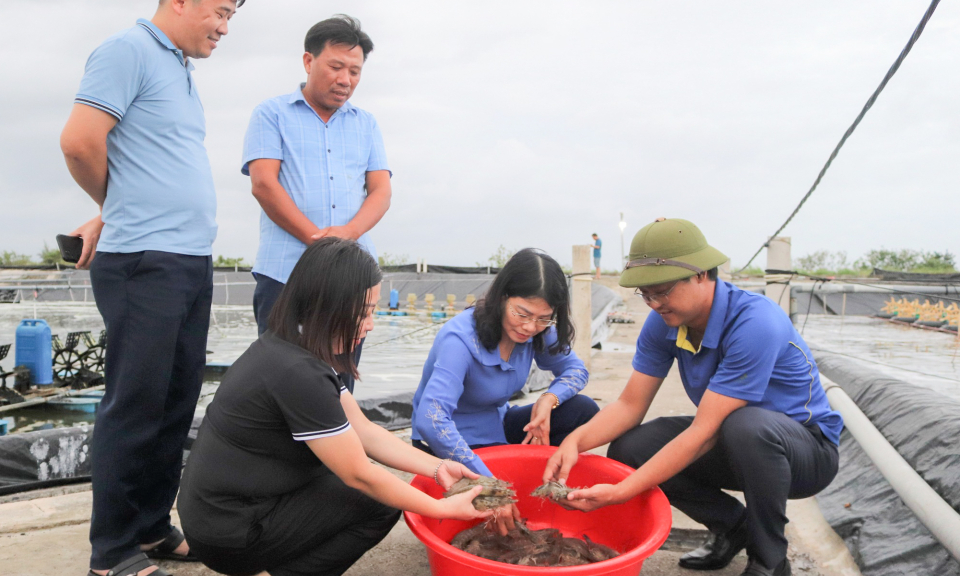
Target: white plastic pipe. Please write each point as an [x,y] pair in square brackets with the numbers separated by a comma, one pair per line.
[933,511]
[891,289]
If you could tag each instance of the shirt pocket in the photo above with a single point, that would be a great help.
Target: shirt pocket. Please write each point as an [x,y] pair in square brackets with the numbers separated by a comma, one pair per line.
[356,157]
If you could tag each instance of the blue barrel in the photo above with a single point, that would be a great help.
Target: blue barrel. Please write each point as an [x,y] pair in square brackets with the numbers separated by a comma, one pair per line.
[394,299]
[34,350]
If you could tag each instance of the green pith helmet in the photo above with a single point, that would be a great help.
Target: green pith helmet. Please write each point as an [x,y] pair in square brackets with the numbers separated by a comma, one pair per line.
[666,250]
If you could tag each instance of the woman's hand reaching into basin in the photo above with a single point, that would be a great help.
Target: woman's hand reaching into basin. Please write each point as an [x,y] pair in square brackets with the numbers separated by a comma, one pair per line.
[506,517]
[538,430]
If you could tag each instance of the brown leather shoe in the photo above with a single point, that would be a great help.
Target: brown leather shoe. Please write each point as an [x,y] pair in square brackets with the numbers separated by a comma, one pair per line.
[717,552]
[755,568]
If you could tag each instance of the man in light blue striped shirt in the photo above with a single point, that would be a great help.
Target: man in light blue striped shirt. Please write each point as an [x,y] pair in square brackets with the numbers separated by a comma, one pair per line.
[316,162]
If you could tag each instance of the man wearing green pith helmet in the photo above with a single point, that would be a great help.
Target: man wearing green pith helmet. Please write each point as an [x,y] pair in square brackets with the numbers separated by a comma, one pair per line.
[762,425]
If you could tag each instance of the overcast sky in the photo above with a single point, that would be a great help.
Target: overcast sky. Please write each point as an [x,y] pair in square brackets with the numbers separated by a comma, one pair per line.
[535,123]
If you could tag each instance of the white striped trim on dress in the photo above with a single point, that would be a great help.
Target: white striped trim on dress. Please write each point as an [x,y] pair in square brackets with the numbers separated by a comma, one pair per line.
[321,433]
[100,106]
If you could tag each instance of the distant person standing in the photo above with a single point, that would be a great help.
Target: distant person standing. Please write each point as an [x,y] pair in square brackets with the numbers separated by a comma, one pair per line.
[597,243]
[316,162]
[134,143]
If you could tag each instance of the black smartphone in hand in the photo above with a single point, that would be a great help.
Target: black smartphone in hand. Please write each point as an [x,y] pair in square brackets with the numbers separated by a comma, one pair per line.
[70,247]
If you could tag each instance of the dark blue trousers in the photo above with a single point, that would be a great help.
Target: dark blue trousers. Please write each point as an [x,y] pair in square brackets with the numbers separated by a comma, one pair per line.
[265,296]
[766,455]
[568,416]
[573,413]
[156,308]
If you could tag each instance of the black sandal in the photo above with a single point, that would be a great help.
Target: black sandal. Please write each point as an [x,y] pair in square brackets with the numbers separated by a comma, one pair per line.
[131,566]
[165,549]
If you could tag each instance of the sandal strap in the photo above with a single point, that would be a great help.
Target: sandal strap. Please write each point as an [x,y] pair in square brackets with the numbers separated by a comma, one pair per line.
[132,565]
[170,543]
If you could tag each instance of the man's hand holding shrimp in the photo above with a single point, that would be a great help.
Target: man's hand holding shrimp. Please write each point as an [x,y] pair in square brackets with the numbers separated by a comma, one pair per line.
[596,496]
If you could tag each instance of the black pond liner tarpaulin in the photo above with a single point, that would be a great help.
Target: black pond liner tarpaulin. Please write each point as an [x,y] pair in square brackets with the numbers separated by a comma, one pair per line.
[61,456]
[883,535]
[44,458]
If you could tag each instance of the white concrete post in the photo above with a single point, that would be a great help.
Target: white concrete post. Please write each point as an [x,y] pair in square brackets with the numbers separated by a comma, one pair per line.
[778,285]
[580,302]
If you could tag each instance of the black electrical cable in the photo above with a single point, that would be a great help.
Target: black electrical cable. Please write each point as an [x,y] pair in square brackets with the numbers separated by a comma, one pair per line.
[809,305]
[893,69]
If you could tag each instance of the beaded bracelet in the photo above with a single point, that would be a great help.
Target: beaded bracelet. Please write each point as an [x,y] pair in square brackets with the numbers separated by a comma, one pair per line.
[437,470]
[555,397]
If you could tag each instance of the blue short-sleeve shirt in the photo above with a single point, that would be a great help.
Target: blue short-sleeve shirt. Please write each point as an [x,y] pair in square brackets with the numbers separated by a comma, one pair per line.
[599,245]
[160,193]
[750,351]
[323,168]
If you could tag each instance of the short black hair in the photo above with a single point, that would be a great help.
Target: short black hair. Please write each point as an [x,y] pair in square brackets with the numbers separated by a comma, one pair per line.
[323,302]
[340,29]
[711,274]
[530,273]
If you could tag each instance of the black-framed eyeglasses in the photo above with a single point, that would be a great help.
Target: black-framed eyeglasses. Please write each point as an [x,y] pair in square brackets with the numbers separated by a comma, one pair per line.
[524,318]
[657,297]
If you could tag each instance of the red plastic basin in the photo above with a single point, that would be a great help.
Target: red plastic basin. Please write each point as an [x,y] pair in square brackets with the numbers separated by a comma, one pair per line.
[636,528]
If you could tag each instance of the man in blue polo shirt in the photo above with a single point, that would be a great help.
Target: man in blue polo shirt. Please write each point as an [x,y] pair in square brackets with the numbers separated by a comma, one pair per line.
[316,162]
[762,426]
[134,143]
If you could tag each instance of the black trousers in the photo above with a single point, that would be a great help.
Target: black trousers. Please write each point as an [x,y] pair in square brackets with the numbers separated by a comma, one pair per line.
[265,296]
[318,530]
[573,413]
[156,308]
[767,455]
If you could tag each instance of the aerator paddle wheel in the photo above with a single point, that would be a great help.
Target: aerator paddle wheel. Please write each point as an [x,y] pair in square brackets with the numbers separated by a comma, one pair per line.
[7,395]
[92,357]
[66,359]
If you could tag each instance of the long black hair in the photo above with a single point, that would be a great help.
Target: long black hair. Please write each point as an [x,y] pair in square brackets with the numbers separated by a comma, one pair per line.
[323,303]
[530,273]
